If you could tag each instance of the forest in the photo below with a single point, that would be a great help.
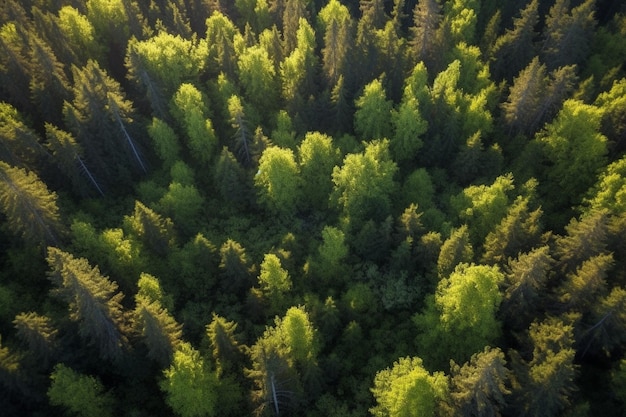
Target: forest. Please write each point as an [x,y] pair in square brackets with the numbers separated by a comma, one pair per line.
[313,208]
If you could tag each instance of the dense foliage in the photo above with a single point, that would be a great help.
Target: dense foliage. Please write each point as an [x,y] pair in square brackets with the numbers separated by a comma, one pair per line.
[313,208]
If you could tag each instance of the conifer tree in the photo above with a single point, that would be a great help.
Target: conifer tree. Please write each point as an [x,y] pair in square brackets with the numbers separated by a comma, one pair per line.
[156,233]
[38,333]
[425,30]
[515,48]
[236,268]
[220,34]
[371,119]
[258,78]
[160,331]
[317,156]
[479,387]
[338,27]
[226,350]
[93,301]
[274,281]
[31,209]
[20,145]
[230,179]
[585,238]
[455,250]
[278,180]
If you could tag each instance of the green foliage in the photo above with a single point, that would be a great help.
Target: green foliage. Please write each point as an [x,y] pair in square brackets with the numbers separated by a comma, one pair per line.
[408,389]
[278,180]
[93,301]
[191,389]
[31,209]
[274,281]
[81,395]
[317,156]
[371,119]
[460,319]
[363,185]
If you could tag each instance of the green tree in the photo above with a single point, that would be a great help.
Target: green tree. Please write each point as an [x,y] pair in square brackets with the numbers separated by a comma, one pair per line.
[604,328]
[82,395]
[584,239]
[455,250]
[479,387]
[243,135]
[425,39]
[483,207]
[546,382]
[154,231]
[317,156]
[525,285]
[274,281]
[79,35]
[189,107]
[515,48]
[371,119]
[230,179]
[220,34]
[408,389]
[609,192]
[30,208]
[236,268]
[258,79]
[576,150]
[460,319]
[38,333]
[337,26]
[226,350]
[109,20]
[297,71]
[101,118]
[582,289]
[93,301]
[191,388]
[20,145]
[519,231]
[364,184]
[278,180]
[568,33]
[409,126]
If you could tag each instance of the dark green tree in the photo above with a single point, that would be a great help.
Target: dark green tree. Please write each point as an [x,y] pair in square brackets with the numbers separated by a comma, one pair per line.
[30,208]
[93,302]
[479,387]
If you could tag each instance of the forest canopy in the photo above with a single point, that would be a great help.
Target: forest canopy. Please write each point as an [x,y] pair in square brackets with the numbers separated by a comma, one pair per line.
[313,208]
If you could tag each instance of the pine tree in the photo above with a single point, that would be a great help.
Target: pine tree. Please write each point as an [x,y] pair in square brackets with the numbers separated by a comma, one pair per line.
[372,117]
[317,156]
[585,239]
[83,395]
[425,41]
[220,34]
[227,352]
[160,331]
[479,387]
[236,268]
[20,146]
[455,250]
[156,232]
[93,302]
[338,35]
[38,333]
[31,209]
[515,48]
[278,181]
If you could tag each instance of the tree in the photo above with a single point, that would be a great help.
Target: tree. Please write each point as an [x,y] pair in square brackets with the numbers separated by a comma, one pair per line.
[82,395]
[609,192]
[425,40]
[297,71]
[156,232]
[230,179]
[284,362]
[243,136]
[101,119]
[482,207]
[409,126]
[274,281]
[525,286]
[515,48]
[460,319]
[364,184]
[576,150]
[189,107]
[220,34]
[21,146]
[371,119]
[160,331]
[109,20]
[226,350]
[93,302]
[191,388]
[31,209]
[604,327]
[278,180]
[38,333]
[520,231]
[567,33]
[455,250]
[547,380]
[337,26]
[408,389]
[478,388]
[317,156]
[258,79]
[584,239]
[581,289]
[236,268]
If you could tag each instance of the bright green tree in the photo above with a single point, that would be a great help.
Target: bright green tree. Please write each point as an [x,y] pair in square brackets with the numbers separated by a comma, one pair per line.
[364,184]
[317,156]
[337,26]
[191,388]
[278,180]
[460,319]
[258,79]
[189,107]
[372,117]
[166,142]
[408,390]
[81,395]
[455,250]
[274,281]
